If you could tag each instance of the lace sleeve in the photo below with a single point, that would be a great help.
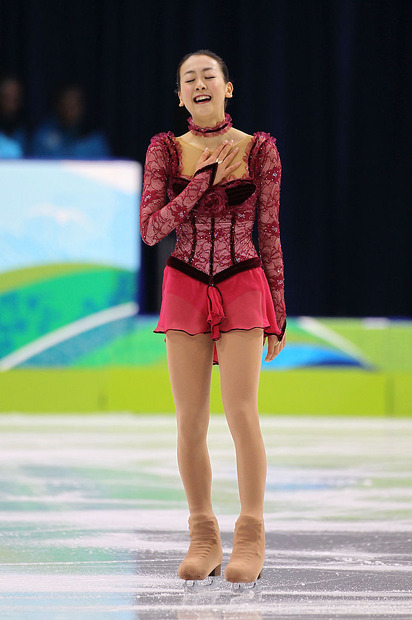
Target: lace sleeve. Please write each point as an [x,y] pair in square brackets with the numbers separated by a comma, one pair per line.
[269,171]
[158,217]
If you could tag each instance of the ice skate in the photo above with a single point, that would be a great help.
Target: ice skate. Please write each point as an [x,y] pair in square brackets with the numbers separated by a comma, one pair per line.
[203,560]
[244,569]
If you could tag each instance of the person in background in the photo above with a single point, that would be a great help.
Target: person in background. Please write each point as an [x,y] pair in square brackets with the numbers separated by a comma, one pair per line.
[13,134]
[67,134]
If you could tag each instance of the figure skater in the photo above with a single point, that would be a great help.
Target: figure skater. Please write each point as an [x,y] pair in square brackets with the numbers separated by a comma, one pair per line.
[220,301]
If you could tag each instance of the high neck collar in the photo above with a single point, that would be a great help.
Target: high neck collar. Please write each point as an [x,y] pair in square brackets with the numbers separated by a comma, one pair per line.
[207,132]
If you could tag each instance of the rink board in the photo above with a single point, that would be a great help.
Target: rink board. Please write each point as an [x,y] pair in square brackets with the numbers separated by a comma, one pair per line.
[143,390]
[329,366]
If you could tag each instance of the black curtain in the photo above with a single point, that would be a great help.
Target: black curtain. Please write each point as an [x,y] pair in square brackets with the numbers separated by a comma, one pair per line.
[331,80]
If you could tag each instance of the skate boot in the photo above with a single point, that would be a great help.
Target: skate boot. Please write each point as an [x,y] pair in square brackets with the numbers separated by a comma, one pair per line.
[246,561]
[204,557]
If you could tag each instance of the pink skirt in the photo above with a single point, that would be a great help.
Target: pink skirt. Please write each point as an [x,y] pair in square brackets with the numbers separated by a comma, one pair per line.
[242,301]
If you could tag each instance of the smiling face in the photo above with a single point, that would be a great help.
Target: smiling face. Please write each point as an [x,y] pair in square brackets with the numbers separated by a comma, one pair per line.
[203,89]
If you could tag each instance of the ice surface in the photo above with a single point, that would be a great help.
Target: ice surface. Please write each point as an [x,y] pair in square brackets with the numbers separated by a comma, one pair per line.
[93,519]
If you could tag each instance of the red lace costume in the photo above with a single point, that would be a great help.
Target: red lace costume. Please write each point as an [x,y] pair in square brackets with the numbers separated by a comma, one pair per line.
[213,280]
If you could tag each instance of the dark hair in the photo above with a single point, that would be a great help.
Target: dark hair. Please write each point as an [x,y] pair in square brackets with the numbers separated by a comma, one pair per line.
[220,61]
[10,76]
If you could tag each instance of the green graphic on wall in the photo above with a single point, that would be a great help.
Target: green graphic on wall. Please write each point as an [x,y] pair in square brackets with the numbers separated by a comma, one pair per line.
[70,258]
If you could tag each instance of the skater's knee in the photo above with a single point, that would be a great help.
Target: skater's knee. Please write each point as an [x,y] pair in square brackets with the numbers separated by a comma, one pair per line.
[243,421]
[192,428]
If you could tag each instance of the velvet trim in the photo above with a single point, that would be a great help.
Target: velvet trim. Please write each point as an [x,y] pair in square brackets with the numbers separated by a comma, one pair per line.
[212,167]
[197,274]
[219,128]
[236,192]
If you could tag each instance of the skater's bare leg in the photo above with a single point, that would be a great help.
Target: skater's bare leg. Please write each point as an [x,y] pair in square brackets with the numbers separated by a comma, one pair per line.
[240,356]
[190,360]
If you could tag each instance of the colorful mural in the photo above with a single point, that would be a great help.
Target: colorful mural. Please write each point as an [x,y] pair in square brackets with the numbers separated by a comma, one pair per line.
[70,255]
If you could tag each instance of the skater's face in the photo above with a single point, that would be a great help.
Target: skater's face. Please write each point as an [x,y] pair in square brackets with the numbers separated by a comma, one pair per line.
[203,89]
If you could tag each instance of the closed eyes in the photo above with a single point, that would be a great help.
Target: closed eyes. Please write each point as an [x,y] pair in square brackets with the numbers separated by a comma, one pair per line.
[211,77]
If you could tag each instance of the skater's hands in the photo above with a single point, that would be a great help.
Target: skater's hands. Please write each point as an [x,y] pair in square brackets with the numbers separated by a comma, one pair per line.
[274,346]
[224,155]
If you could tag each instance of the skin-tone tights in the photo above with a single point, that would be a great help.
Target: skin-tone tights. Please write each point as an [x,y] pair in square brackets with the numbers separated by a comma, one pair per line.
[190,361]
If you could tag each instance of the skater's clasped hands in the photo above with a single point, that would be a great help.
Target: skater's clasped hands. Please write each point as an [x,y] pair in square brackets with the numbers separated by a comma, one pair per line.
[223,155]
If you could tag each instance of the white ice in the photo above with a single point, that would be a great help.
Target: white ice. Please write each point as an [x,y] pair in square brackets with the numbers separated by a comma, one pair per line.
[93,519]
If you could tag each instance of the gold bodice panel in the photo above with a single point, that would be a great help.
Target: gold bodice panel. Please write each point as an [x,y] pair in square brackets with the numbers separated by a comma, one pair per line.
[189,155]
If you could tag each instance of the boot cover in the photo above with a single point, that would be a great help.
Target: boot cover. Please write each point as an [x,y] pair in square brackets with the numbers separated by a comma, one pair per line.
[205,554]
[246,561]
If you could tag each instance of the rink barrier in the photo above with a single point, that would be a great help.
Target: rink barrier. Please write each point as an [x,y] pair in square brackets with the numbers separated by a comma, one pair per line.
[147,390]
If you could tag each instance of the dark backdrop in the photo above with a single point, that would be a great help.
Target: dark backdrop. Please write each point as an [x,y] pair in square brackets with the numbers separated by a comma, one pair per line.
[331,80]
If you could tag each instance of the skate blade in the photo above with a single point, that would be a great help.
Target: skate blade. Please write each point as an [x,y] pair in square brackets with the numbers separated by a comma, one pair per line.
[192,585]
[252,587]
[200,585]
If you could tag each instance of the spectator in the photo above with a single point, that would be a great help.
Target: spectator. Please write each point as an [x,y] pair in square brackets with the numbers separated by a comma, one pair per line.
[12,126]
[66,134]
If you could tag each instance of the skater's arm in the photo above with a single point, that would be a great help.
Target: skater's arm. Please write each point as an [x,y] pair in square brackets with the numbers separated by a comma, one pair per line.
[269,172]
[158,216]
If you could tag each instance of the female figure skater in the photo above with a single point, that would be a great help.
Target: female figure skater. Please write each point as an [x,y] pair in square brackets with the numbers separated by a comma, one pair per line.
[219,304]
